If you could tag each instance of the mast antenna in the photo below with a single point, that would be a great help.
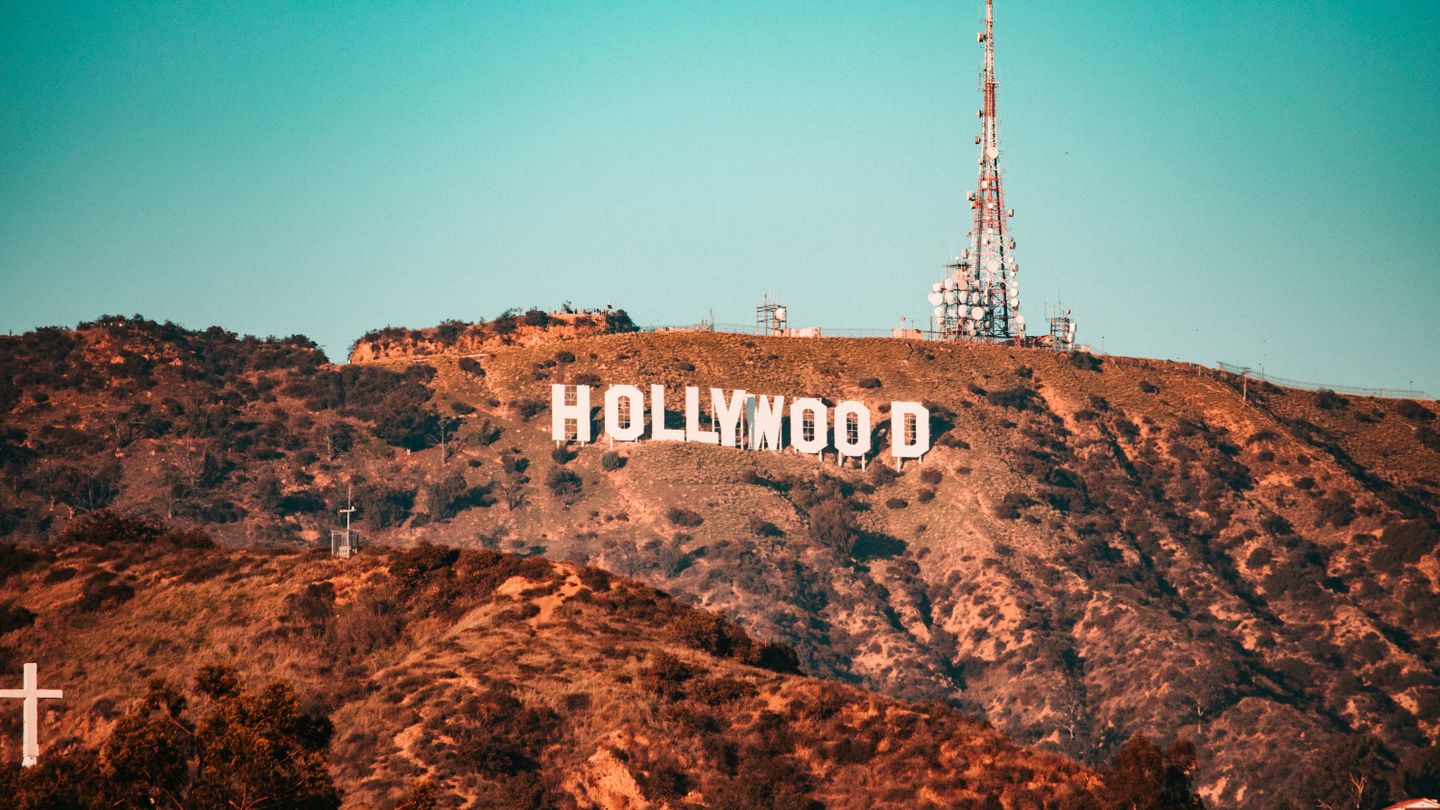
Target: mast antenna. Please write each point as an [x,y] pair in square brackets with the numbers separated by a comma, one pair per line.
[979,298]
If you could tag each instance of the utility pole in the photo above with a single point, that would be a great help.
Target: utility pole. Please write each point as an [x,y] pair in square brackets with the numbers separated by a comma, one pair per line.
[348,510]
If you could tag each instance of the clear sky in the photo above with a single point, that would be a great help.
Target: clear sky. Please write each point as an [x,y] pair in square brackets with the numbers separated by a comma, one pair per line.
[1255,182]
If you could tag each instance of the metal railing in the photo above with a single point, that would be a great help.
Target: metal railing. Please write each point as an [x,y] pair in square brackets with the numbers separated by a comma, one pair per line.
[1283,382]
[749,329]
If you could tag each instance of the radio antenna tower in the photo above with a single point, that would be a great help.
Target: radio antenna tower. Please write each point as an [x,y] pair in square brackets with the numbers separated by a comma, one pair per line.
[978,298]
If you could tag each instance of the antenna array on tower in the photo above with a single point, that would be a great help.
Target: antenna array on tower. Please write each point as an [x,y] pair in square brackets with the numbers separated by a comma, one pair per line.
[978,299]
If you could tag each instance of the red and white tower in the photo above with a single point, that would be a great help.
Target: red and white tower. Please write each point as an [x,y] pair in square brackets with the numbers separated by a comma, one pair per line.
[978,298]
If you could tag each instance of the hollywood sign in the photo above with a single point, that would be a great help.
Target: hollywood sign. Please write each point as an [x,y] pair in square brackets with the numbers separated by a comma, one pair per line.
[741,420]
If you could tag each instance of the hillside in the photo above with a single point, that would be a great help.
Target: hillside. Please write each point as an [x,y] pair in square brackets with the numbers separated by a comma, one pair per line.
[501,681]
[1097,547]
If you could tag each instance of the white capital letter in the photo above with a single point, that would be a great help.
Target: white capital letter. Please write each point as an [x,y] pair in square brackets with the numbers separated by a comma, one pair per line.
[579,413]
[636,401]
[658,431]
[727,414]
[845,413]
[764,414]
[819,435]
[693,433]
[909,430]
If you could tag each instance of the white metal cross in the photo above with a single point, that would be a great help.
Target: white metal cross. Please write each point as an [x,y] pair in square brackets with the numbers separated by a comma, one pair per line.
[31,694]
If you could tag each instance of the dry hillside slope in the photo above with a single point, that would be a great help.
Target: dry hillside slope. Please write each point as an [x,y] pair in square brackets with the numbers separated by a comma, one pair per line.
[502,681]
[1096,547]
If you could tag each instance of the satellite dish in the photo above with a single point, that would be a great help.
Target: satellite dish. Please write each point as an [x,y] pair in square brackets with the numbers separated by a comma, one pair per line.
[782,313]
[939,313]
[951,296]
[993,265]
[936,298]
[1020,321]
[977,313]
[935,287]
[951,284]
[992,152]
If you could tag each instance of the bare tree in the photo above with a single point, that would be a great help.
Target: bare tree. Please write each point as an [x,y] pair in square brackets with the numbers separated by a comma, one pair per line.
[443,435]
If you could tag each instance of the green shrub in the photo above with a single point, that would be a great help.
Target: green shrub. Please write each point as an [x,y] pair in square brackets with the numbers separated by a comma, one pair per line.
[1084,361]
[1019,399]
[101,591]
[382,507]
[1410,409]
[611,461]
[833,524]
[1404,543]
[106,527]
[1145,776]
[680,516]
[564,484]
[1336,509]
[505,324]
[1009,507]
[528,407]
[451,495]
[14,617]
[764,528]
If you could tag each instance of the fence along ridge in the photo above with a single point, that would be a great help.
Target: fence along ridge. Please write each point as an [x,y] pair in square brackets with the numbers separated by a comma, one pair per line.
[1284,382]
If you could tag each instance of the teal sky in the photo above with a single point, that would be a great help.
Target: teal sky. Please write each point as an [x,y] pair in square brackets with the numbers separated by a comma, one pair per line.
[1255,182]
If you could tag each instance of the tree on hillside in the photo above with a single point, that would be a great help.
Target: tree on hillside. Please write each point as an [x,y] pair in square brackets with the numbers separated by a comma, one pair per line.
[1143,777]
[442,435]
[832,524]
[78,488]
[337,435]
[1420,772]
[1350,774]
